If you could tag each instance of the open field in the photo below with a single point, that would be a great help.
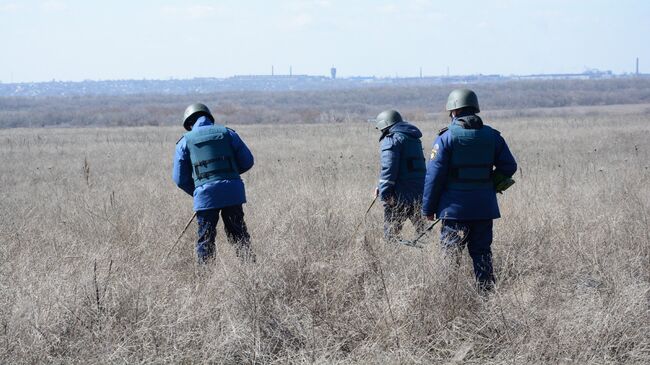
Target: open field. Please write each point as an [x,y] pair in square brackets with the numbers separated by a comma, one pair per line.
[88,215]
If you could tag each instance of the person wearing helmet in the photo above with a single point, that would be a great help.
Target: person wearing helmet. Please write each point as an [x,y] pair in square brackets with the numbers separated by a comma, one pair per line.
[208,162]
[402,173]
[467,161]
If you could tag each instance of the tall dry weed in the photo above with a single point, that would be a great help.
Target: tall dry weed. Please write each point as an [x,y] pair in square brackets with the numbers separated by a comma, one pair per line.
[82,278]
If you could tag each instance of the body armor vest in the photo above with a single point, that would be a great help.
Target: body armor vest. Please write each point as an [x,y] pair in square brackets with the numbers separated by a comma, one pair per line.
[472,157]
[412,165]
[212,155]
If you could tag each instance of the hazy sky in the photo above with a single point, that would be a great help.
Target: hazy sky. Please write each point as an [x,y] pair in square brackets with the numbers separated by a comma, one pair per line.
[96,39]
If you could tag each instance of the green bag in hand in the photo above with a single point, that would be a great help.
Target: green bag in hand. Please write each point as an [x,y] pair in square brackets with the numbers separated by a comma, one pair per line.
[502,182]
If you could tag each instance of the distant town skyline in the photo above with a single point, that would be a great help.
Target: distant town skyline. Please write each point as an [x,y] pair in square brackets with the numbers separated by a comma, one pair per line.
[74,40]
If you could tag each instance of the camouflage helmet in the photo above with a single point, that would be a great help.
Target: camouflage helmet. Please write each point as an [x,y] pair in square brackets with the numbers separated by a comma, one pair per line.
[462,98]
[387,118]
[194,111]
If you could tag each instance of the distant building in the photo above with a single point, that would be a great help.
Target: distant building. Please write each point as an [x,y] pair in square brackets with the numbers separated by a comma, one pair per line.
[333,72]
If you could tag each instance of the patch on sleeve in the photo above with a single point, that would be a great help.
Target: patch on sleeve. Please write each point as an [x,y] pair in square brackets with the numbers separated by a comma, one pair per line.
[434,151]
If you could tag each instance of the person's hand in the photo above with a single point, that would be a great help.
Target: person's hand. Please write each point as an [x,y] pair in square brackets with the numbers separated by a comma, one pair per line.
[376,192]
[431,217]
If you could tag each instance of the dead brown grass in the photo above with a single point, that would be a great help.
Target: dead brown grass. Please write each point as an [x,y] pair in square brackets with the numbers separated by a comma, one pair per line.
[88,214]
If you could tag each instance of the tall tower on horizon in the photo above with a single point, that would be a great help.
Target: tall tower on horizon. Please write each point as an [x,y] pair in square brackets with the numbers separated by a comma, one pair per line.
[333,72]
[637,66]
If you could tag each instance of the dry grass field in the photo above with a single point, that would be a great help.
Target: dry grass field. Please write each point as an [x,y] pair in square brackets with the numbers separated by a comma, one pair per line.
[87,216]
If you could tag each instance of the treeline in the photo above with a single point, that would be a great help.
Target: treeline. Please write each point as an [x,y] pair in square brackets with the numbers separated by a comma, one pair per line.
[312,106]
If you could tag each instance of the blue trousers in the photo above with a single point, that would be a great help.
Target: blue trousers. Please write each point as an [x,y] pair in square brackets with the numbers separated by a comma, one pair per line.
[235,227]
[477,236]
[395,216]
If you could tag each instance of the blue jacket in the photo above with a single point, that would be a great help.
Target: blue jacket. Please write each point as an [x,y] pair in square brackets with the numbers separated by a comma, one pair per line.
[390,147]
[476,204]
[216,194]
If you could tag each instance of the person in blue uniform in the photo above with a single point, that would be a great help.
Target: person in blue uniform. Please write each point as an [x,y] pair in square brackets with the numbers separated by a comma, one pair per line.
[469,162]
[401,179]
[208,162]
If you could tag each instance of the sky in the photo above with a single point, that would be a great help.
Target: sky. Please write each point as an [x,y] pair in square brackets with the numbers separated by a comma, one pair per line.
[73,40]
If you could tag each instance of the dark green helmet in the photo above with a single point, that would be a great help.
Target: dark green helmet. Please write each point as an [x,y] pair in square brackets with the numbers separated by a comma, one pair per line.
[462,98]
[387,118]
[193,112]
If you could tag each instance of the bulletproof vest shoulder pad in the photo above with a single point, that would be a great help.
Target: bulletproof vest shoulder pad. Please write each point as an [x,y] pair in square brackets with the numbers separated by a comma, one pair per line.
[494,130]
[443,130]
